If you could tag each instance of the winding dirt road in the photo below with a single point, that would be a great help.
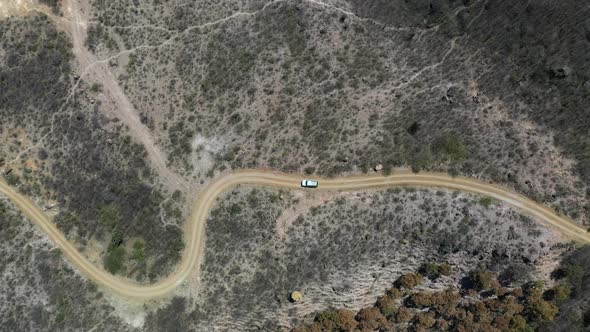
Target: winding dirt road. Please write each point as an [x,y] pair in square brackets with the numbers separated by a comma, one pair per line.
[195,227]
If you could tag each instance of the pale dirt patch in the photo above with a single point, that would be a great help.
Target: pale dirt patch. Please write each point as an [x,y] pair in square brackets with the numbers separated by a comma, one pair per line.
[14,8]
[203,149]
[94,251]
[132,313]
[10,8]
[32,164]
[207,144]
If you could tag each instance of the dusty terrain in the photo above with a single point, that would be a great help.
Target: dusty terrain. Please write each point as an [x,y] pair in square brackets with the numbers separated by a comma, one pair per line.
[394,90]
[116,115]
[33,280]
[16,7]
[344,252]
[194,228]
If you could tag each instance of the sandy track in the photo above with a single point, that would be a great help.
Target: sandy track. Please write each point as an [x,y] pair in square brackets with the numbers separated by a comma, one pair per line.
[195,226]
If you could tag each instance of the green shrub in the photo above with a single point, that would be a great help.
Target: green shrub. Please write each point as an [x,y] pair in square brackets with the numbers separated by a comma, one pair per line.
[138,253]
[235,210]
[96,87]
[485,201]
[116,238]
[109,215]
[434,271]
[115,260]
[450,147]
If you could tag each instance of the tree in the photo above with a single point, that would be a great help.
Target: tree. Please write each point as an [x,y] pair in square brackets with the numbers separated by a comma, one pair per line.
[387,305]
[371,319]
[116,238]
[483,280]
[537,309]
[331,320]
[425,319]
[409,280]
[403,315]
[560,292]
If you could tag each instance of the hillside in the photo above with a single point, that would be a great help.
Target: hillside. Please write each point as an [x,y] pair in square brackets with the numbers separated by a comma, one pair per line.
[117,114]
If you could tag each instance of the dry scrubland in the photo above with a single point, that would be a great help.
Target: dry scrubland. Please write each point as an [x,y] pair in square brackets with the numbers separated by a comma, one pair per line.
[77,158]
[496,90]
[39,291]
[481,303]
[346,252]
[493,90]
[292,85]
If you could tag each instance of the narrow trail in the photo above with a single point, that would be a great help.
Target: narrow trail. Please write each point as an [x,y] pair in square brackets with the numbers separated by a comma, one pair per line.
[99,71]
[194,228]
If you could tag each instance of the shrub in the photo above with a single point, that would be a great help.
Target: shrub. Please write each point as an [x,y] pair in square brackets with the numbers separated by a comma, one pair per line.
[539,310]
[403,315]
[339,320]
[483,280]
[96,87]
[560,292]
[235,210]
[425,319]
[109,215]
[371,319]
[115,260]
[450,147]
[117,238]
[387,305]
[409,280]
[138,251]
[485,201]
[434,271]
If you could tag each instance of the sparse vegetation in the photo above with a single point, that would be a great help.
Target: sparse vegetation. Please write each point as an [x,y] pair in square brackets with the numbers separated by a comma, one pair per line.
[89,165]
[495,90]
[348,247]
[301,87]
[38,289]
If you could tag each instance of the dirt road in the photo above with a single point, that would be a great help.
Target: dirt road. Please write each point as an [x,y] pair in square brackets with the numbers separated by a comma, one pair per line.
[195,226]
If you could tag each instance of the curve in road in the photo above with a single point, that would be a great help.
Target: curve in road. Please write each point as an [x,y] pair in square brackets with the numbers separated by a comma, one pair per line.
[195,227]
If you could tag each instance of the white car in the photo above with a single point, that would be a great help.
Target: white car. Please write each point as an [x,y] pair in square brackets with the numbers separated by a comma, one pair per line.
[309,184]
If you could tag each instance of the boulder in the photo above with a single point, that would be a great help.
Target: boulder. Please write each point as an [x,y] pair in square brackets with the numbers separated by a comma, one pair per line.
[560,71]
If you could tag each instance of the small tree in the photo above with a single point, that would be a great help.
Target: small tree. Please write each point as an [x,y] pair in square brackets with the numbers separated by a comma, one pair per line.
[409,280]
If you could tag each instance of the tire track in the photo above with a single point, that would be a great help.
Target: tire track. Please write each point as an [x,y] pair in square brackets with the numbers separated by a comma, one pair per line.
[194,228]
